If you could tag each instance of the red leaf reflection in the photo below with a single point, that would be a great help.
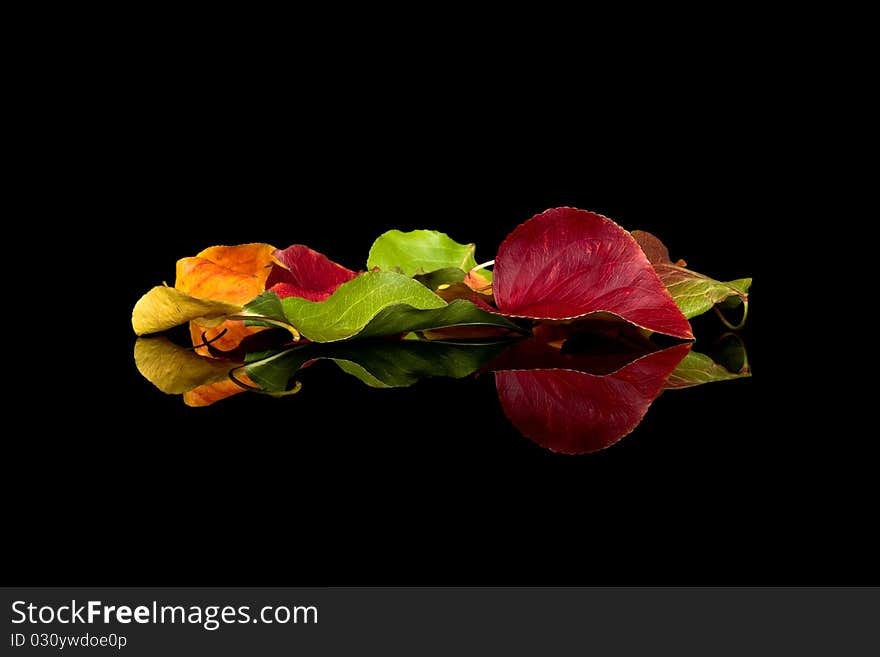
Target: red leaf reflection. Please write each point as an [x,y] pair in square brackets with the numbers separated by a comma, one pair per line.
[573,412]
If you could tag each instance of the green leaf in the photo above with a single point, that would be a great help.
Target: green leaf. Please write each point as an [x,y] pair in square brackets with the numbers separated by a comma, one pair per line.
[696,368]
[266,310]
[446,276]
[730,351]
[379,304]
[379,364]
[267,305]
[419,252]
[695,293]
[740,284]
[401,318]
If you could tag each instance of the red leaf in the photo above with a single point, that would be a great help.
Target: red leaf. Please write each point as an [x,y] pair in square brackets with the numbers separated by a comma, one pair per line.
[566,263]
[576,413]
[301,272]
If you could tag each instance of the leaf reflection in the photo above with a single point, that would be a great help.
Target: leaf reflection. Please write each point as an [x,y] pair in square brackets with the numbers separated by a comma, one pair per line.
[575,412]
[571,388]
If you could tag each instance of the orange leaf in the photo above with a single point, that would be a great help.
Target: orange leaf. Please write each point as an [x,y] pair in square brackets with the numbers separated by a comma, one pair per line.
[235,274]
[236,331]
[477,282]
[473,286]
[214,392]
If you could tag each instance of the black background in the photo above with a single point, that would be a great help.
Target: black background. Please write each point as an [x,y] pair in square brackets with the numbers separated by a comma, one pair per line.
[745,482]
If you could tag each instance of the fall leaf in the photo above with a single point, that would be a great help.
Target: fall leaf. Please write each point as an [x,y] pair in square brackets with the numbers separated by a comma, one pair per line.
[728,360]
[382,364]
[419,252]
[566,263]
[235,274]
[451,283]
[301,272]
[382,303]
[574,412]
[479,280]
[175,370]
[163,308]
[597,347]
[588,292]
[693,293]
[209,286]
[213,392]
[220,281]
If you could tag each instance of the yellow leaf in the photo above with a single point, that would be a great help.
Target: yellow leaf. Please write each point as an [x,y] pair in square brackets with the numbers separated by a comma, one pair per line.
[175,370]
[163,308]
[210,286]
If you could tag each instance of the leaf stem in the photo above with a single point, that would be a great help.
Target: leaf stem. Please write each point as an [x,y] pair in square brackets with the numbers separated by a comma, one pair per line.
[269,320]
[241,384]
[206,342]
[744,368]
[483,265]
[742,322]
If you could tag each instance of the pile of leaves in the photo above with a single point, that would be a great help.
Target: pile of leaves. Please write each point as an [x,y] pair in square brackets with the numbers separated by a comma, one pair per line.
[561,267]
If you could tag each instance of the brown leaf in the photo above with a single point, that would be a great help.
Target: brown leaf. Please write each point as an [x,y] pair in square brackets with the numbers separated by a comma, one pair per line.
[654,249]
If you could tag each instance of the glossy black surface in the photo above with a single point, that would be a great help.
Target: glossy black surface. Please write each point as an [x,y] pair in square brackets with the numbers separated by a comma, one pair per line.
[765,480]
